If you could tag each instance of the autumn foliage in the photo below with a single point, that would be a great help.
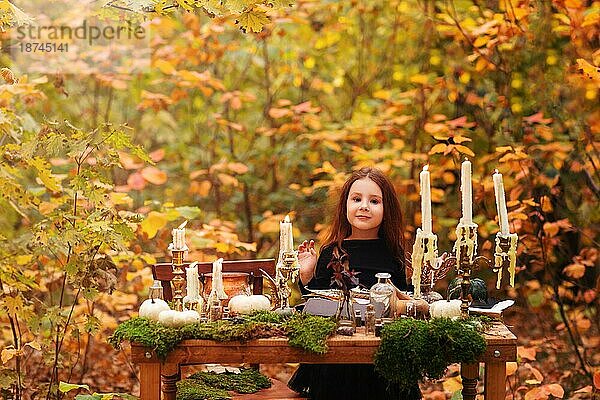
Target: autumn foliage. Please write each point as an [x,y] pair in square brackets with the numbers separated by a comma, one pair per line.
[232,131]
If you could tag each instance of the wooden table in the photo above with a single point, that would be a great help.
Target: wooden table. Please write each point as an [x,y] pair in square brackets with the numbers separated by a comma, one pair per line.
[357,349]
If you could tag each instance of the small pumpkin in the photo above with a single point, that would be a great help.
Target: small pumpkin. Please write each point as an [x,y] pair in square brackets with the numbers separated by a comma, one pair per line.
[151,308]
[478,289]
[167,318]
[244,304]
[445,308]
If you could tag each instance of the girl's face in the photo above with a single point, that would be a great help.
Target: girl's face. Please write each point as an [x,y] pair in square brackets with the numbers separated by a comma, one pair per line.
[364,209]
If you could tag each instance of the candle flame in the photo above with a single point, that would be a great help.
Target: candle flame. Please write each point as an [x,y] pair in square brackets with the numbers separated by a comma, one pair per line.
[183,225]
[426,168]
[496,171]
[287,218]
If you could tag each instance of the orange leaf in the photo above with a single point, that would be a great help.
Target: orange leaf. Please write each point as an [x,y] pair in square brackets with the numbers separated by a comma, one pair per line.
[435,128]
[136,181]
[129,162]
[157,155]
[154,175]
[575,271]
[555,390]
[511,368]
[438,148]
[237,167]
[597,379]
[464,150]
[279,112]
[527,353]
[536,394]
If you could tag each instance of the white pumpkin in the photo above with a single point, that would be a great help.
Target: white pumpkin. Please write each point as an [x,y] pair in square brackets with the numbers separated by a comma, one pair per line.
[445,308]
[244,304]
[167,317]
[191,316]
[151,308]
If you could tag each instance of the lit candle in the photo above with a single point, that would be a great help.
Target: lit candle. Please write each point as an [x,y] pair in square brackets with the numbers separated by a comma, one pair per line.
[286,236]
[501,203]
[425,200]
[465,188]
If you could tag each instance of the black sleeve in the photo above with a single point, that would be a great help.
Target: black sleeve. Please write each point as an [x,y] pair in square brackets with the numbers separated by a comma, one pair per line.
[322,278]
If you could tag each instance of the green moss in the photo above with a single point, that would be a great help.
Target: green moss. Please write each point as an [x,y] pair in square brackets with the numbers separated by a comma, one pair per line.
[305,331]
[249,380]
[190,390]
[429,345]
[309,332]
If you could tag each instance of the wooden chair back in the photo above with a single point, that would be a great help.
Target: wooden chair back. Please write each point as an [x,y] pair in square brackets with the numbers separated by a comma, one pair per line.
[164,272]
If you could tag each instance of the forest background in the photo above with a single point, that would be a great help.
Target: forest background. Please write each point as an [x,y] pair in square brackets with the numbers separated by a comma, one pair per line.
[233,130]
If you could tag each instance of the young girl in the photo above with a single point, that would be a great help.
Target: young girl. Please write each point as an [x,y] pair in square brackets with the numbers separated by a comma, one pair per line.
[368,227]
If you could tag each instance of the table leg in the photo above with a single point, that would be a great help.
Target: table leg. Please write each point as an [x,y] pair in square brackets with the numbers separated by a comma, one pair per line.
[495,380]
[170,374]
[470,375]
[150,381]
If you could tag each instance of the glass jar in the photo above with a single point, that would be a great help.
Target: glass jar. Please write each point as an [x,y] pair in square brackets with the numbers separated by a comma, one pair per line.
[383,292]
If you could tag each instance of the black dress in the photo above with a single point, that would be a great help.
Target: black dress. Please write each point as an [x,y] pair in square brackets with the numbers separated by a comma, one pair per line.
[353,381]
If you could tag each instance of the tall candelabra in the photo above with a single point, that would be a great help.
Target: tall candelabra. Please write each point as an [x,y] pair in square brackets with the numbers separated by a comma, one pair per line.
[178,280]
[468,261]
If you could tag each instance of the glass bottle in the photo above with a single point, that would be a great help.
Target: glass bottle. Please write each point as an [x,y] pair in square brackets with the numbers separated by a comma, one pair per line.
[383,292]
[370,320]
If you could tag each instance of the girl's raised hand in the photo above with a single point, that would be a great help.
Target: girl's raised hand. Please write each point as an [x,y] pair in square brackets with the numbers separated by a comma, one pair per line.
[307,258]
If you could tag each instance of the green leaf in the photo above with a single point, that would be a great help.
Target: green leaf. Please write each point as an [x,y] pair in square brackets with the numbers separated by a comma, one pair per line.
[65,387]
[188,212]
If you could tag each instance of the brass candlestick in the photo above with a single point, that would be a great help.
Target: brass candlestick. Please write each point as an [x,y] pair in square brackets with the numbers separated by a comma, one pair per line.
[286,272]
[465,267]
[178,280]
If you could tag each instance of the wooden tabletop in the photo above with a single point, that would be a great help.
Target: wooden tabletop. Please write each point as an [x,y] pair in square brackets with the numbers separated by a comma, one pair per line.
[356,349]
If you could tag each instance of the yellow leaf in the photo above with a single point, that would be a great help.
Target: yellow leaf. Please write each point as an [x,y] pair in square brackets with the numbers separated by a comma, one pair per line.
[481,41]
[8,354]
[24,259]
[252,20]
[154,175]
[44,174]
[382,94]
[34,345]
[591,72]
[419,78]
[153,222]
[222,247]
[452,384]
[187,5]
[120,198]
[46,207]
[503,149]
[464,150]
